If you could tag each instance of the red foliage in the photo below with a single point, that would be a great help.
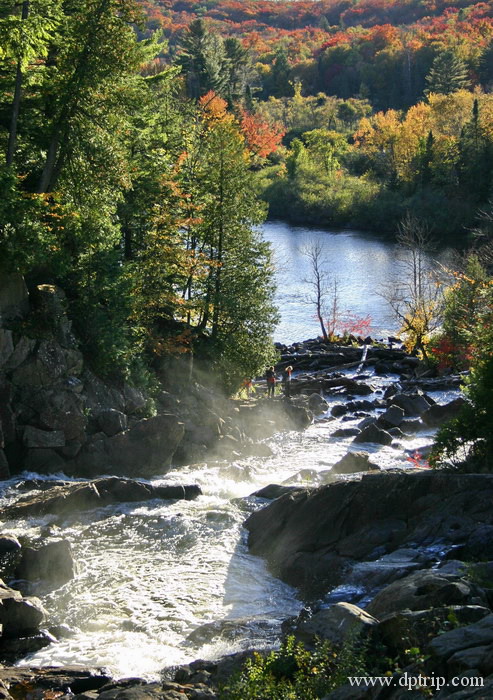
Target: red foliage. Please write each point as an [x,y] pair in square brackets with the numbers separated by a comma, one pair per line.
[262,138]
[418,461]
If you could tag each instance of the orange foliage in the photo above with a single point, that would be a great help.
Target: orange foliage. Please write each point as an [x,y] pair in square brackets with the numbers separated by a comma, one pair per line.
[262,138]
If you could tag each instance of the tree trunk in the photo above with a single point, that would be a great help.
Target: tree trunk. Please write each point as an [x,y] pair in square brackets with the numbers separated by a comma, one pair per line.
[16,104]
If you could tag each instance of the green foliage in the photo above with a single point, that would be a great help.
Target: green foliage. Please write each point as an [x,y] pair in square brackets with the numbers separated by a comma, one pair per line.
[466,442]
[448,73]
[294,673]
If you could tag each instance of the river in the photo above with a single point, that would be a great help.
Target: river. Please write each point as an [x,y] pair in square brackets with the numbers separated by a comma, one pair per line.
[362,264]
[163,584]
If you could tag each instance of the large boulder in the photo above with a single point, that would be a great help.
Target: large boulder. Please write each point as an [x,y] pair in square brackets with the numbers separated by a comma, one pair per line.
[338,623]
[412,404]
[51,563]
[438,414]
[76,496]
[111,421]
[425,589]
[393,417]
[372,433]
[145,449]
[354,462]
[19,616]
[312,536]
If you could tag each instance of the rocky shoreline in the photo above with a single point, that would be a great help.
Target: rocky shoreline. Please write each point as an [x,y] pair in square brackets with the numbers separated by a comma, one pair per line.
[375,553]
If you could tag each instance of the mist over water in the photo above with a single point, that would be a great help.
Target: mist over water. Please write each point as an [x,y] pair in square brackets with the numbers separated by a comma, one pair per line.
[165,583]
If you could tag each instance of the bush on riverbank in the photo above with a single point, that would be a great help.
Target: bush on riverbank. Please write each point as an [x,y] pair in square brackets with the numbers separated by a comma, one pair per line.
[294,673]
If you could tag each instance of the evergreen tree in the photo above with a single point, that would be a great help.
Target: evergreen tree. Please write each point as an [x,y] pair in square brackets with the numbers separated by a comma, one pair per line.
[475,161]
[448,74]
[204,60]
[280,76]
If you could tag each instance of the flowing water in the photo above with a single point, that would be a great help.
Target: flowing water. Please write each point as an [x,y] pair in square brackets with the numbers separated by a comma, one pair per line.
[168,582]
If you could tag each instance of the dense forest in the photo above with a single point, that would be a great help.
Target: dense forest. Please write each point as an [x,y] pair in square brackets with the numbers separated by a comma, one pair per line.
[135,199]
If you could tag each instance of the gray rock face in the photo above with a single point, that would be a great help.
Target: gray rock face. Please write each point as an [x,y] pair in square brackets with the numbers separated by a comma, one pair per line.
[34,437]
[51,563]
[423,590]
[145,449]
[310,537]
[6,346]
[337,623]
[112,421]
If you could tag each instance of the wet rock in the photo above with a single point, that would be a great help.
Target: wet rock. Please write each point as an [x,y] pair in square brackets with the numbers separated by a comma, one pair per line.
[273,491]
[145,449]
[51,563]
[65,679]
[9,544]
[313,536]
[19,616]
[345,432]
[111,421]
[79,496]
[425,589]
[337,623]
[372,433]
[438,414]
[13,649]
[392,417]
[410,426]
[339,410]
[412,404]
[354,462]
[317,404]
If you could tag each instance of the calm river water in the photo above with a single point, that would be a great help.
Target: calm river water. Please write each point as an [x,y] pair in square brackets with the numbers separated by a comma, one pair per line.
[362,264]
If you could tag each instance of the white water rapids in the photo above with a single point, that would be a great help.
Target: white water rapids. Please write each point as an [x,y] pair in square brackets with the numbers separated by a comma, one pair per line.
[149,576]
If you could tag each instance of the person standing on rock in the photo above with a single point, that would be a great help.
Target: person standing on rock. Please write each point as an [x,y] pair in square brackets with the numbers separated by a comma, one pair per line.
[270,376]
[286,379]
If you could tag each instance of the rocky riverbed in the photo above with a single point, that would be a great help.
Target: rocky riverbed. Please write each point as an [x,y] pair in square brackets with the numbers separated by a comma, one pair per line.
[370,543]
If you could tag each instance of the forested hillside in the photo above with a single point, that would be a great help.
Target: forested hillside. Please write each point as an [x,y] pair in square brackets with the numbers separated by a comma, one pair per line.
[380,49]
